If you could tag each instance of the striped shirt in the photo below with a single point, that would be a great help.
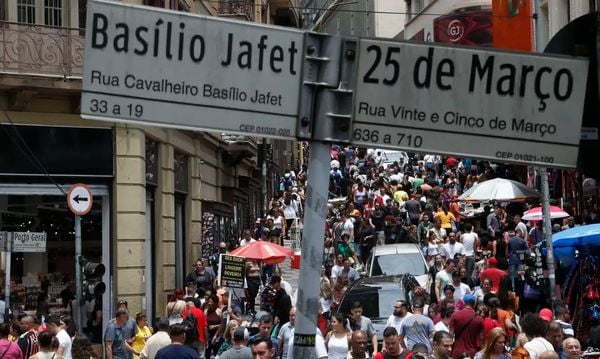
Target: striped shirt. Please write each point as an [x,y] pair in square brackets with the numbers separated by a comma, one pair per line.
[28,342]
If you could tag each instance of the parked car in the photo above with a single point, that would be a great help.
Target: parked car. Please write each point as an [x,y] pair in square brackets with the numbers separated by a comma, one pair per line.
[388,157]
[399,258]
[377,296]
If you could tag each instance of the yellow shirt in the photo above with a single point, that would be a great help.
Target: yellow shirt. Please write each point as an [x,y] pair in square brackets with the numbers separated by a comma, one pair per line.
[447,219]
[140,339]
[400,196]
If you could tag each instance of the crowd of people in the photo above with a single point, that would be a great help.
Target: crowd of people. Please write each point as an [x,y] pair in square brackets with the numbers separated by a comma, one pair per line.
[486,295]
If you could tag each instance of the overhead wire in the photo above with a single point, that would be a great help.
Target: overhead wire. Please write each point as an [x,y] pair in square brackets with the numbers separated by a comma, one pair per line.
[26,150]
[374,11]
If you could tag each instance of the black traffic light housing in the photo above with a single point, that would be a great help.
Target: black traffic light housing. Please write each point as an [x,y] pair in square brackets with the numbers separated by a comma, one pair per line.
[91,278]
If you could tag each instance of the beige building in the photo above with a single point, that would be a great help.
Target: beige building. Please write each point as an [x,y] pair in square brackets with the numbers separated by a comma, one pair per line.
[162,197]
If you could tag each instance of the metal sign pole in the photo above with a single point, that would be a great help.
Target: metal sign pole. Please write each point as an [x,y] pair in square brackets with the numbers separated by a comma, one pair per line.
[312,250]
[544,181]
[79,290]
[7,277]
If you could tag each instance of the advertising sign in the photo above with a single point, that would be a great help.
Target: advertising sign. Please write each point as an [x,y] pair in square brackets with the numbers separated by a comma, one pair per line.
[29,242]
[233,271]
[181,70]
[473,102]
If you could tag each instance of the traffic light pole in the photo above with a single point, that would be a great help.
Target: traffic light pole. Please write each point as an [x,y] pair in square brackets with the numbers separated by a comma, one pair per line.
[79,290]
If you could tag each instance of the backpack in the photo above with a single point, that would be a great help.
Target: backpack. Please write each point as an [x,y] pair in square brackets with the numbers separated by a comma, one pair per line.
[191,330]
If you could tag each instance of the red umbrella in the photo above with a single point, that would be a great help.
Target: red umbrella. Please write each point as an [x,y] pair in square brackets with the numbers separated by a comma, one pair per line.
[267,252]
[535,214]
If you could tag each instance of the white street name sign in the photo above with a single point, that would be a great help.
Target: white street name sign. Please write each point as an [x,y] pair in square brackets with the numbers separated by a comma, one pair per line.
[29,241]
[187,71]
[503,106]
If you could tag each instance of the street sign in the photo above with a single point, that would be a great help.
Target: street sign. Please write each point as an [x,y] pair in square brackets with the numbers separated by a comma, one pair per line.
[187,71]
[503,106]
[233,271]
[29,242]
[79,199]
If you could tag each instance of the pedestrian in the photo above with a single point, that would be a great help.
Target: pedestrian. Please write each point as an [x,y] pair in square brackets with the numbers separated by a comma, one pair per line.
[442,345]
[359,322]
[262,348]
[358,345]
[115,343]
[393,347]
[417,328]
[285,337]
[56,326]
[28,341]
[177,349]
[158,340]
[495,347]
[45,340]
[535,329]
[399,314]
[82,348]
[264,333]
[338,339]
[467,327]
[239,350]
[572,348]
[8,349]
[143,333]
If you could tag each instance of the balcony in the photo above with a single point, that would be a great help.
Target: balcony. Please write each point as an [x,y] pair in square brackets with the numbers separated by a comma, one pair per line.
[237,9]
[38,50]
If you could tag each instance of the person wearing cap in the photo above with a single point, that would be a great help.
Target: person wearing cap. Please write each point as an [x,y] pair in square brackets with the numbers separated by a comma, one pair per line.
[158,340]
[177,349]
[546,314]
[240,349]
[467,328]
[282,302]
[417,328]
[130,328]
[493,273]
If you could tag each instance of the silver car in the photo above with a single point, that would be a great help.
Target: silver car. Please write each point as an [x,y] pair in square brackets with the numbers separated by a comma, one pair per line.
[396,259]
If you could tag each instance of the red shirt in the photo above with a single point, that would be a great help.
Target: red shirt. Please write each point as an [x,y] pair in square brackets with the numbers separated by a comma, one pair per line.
[494,274]
[201,323]
[467,326]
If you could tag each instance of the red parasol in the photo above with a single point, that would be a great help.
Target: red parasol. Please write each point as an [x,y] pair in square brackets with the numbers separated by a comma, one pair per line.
[267,252]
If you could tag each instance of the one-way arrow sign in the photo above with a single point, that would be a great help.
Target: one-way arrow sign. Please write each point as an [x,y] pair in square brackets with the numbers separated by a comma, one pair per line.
[79,199]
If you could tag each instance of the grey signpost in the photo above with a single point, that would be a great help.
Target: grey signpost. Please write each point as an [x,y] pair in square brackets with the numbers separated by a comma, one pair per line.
[154,67]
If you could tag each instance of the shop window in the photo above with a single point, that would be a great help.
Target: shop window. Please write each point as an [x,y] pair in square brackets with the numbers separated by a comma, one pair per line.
[151,162]
[181,172]
[26,11]
[53,12]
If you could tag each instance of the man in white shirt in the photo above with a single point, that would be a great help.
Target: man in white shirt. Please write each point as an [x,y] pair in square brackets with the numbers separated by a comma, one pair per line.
[453,248]
[159,340]
[400,313]
[55,326]
[320,348]
[336,270]
[286,334]
[460,288]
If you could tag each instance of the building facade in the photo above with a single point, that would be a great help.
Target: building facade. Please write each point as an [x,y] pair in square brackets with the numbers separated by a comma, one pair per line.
[162,197]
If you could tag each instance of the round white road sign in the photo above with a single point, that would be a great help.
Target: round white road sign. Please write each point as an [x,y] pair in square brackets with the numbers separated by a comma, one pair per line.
[79,199]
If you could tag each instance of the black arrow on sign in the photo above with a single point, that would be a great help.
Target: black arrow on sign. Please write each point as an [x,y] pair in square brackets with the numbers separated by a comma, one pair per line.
[82,199]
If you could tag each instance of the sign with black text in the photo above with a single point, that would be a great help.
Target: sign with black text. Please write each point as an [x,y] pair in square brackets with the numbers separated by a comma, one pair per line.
[29,242]
[187,71]
[472,102]
[232,271]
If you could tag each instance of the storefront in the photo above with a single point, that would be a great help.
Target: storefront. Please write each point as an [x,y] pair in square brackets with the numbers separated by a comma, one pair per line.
[37,166]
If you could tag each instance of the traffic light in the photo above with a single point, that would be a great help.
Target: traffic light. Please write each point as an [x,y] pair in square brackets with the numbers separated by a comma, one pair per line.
[91,277]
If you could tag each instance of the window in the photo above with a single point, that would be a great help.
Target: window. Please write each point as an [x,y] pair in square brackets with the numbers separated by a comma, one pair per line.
[151,162]
[53,12]
[181,173]
[26,11]
[157,3]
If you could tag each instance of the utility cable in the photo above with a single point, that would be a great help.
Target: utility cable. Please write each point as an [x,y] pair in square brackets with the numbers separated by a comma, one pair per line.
[24,147]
